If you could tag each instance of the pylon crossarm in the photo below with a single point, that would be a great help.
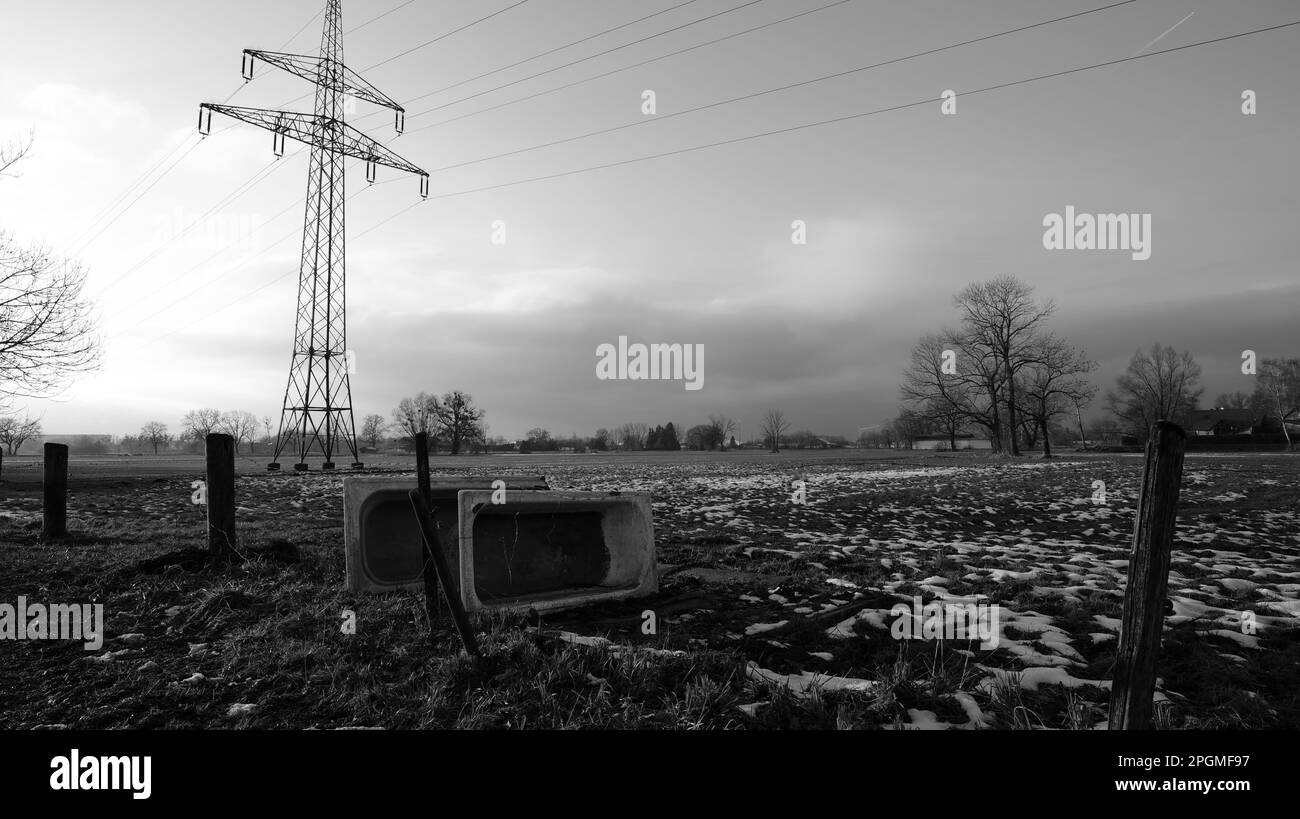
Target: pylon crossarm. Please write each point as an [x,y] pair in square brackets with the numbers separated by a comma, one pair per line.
[344,80]
[326,133]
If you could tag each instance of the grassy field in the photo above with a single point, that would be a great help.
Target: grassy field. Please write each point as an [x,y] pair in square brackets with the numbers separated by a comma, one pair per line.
[771,614]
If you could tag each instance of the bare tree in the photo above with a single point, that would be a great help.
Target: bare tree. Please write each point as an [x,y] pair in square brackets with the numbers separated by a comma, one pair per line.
[774,426]
[721,428]
[907,426]
[1278,388]
[944,417]
[699,437]
[1002,317]
[458,419]
[877,436]
[418,414]
[372,429]
[46,331]
[632,436]
[12,152]
[240,425]
[198,424]
[803,439]
[537,439]
[1053,383]
[155,432]
[479,441]
[15,431]
[637,434]
[971,387]
[1158,384]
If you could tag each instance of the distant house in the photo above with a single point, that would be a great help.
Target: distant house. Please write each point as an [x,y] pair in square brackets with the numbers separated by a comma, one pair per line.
[964,440]
[1222,422]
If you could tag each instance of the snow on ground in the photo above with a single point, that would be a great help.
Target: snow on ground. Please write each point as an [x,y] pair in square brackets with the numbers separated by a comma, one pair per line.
[1025,536]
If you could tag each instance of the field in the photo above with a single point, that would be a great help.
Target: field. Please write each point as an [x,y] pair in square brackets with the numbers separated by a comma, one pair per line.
[771,614]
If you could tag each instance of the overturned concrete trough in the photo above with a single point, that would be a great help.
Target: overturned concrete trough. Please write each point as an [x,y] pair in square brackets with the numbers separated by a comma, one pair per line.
[381,537]
[553,550]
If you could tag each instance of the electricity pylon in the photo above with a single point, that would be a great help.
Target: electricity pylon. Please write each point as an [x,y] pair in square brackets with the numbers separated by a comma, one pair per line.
[317,410]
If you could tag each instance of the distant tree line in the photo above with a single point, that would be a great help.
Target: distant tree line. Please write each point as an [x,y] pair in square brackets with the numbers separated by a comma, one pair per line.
[1003,374]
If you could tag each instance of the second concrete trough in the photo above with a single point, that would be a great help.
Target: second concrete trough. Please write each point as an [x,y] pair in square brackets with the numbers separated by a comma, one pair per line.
[553,550]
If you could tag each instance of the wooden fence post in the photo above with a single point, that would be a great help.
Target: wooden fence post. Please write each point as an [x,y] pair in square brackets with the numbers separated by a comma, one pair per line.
[422,465]
[221,496]
[54,520]
[431,605]
[1148,574]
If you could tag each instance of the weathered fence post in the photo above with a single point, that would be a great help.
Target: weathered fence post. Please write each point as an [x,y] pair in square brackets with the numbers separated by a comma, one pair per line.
[431,605]
[54,520]
[221,496]
[422,464]
[1148,574]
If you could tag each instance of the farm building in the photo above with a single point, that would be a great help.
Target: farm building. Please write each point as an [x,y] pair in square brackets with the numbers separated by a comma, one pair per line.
[1221,422]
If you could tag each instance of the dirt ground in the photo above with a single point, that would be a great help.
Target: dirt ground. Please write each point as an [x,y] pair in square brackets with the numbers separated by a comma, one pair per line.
[772,612]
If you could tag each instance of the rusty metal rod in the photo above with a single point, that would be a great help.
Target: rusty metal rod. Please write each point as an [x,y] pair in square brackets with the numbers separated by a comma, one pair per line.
[433,555]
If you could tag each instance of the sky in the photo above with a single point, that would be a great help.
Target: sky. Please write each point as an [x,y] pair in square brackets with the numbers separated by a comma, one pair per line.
[901,209]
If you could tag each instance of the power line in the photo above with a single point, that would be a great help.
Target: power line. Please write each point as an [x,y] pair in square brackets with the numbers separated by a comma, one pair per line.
[209,313]
[135,184]
[408,51]
[626,67]
[256,179]
[719,103]
[81,246]
[245,262]
[862,114]
[445,36]
[385,221]
[140,179]
[592,57]
[550,51]
[110,223]
[184,273]
[379,17]
[301,30]
[128,190]
[791,129]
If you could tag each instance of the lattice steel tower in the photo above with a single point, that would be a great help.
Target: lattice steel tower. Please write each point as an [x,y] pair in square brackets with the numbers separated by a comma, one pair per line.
[317,413]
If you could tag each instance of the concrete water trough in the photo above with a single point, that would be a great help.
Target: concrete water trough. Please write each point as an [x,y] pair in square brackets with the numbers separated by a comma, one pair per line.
[380,534]
[553,550]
